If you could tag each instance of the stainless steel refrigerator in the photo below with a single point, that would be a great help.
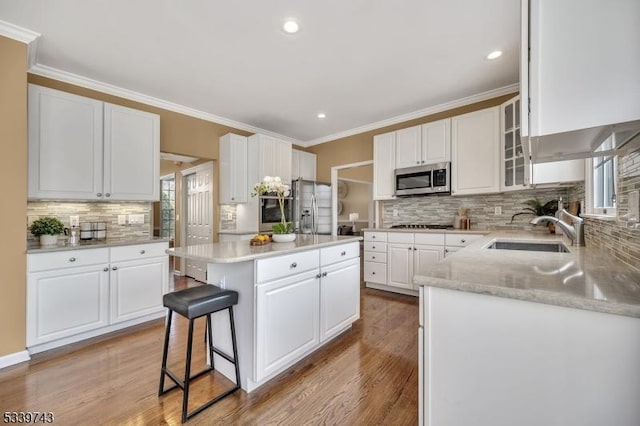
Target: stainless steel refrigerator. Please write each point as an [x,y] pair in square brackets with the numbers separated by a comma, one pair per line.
[311,207]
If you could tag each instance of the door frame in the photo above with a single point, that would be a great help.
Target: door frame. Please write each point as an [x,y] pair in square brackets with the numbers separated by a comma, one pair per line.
[183,201]
[334,191]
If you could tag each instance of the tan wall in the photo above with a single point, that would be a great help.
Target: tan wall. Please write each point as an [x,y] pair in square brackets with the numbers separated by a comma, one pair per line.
[356,148]
[363,173]
[13,175]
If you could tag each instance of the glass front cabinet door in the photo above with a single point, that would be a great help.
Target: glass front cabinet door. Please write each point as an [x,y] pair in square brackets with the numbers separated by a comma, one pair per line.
[515,163]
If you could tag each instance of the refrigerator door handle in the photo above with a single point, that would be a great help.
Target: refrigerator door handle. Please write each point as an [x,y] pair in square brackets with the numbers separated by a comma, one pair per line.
[314,214]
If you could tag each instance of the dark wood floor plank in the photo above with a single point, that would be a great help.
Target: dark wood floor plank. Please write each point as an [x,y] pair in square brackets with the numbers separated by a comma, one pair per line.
[366,376]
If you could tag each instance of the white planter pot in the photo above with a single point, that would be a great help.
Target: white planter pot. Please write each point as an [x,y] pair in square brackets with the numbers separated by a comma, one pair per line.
[48,240]
[283,238]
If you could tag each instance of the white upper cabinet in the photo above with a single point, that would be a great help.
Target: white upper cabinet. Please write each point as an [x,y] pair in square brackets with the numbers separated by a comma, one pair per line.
[514,159]
[303,165]
[475,152]
[581,70]
[426,144]
[384,160]
[84,149]
[408,147]
[274,156]
[233,169]
[131,154]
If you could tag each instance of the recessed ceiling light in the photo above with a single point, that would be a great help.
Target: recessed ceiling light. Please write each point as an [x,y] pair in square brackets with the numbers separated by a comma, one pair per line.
[290,26]
[494,55]
[322,115]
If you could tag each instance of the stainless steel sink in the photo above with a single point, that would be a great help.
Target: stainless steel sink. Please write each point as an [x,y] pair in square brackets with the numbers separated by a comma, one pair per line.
[529,246]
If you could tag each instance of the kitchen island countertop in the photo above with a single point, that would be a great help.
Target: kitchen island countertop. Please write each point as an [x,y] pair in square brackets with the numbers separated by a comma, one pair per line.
[35,247]
[585,278]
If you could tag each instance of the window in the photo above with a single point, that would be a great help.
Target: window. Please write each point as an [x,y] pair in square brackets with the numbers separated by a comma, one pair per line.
[600,188]
[167,207]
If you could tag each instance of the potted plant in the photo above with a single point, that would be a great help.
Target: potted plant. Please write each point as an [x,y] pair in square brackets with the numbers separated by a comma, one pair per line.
[283,231]
[47,228]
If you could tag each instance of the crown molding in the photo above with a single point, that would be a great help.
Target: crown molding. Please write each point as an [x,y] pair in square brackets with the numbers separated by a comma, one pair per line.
[17,33]
[87,83]
[416,114]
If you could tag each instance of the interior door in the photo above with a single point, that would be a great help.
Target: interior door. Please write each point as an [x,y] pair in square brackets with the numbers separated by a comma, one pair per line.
[199,216]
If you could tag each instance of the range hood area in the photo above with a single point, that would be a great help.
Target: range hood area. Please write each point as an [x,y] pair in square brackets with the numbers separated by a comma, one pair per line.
[582,143]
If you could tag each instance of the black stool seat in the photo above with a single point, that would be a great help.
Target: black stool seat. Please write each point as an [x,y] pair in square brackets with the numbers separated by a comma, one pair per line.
[195,302]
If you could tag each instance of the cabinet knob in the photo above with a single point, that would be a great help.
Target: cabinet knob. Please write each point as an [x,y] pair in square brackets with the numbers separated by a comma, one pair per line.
[344,253]
[446,250]
[294,265]
[99,194]
[142,251]
[324,274]
[415,249]
[417,162]
[373,236]
[409,248]
[106,269]
[373,246]
[72,259]
[422,161]
[318,275]
[115,268]
[373,257]
[107,195]
[233,198]
[463,241]
[373,273]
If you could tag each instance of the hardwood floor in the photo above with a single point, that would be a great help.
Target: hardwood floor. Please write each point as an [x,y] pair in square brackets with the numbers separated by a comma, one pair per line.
[367,376]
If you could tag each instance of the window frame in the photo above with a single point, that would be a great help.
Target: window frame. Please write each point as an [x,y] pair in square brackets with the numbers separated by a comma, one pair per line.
[590,166]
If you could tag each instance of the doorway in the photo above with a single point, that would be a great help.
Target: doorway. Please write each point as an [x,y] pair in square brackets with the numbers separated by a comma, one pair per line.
[197,214]
[357,210]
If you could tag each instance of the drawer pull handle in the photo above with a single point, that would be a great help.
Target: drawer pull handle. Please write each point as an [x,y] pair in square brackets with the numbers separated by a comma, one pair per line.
[72,259]
[106,269]
[142,252]
[115,268]
[463,241]
[344,253]
[294,265]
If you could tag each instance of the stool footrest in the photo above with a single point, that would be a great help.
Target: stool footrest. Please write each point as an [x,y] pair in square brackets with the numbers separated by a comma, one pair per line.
[179,383]
[212,401]
[223,355]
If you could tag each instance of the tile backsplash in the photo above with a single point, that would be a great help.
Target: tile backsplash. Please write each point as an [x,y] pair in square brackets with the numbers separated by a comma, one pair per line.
[441,209]
[94,212]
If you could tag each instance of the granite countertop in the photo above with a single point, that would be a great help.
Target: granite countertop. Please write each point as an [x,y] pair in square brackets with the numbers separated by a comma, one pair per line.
[237,232]
[586,278]
[241,251]
[35,247]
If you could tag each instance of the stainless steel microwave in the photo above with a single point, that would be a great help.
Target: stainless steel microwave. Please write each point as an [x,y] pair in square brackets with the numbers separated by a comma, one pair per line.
[423,180]
[269,212]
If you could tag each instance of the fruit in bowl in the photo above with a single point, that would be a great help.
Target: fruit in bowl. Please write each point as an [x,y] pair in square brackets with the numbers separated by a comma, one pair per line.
[260,239]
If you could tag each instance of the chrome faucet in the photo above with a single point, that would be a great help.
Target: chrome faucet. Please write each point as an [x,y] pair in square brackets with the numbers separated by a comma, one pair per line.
[574,230]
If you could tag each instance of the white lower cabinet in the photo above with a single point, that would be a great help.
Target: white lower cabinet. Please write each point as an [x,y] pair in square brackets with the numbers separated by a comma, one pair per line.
[77,294]
[300,307]
[287,319]
[400,265]
[64,302]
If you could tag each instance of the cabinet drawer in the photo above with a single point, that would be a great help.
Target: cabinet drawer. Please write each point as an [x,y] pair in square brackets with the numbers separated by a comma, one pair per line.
[375,236]
[67,258]
[138,251]
[375,256]
[375,272]
[400,237]
[430,239]
[375,246]
[461,240]
[282,266]
[329,255]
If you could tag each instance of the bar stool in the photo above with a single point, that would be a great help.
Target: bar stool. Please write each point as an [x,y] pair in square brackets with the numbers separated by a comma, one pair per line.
[192,303]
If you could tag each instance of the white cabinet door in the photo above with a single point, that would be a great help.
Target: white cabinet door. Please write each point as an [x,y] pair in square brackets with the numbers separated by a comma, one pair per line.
[475,146]
[283,160]
[436,141]
[233,169]
[65,145]
[425,257]
[568,87]
[274,157]
[137,287]
[409,147]
[384,160]
[515,165]
[295,164]
[131,154]
[400,265]
[307,165]
[64,302]
[287,321]
[339,297]
[558,172]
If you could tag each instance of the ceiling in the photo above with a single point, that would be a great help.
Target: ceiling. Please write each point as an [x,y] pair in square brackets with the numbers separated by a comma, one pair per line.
[361,62]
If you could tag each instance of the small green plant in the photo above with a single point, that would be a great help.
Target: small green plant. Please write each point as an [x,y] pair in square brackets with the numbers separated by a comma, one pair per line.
[47,226]
[537,208]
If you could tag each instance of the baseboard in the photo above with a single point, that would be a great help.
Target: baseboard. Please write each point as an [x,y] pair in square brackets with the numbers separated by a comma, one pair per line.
[391,289]
[15,358]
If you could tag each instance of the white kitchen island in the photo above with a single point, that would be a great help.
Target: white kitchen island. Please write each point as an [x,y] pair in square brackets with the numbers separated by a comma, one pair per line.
[293,298]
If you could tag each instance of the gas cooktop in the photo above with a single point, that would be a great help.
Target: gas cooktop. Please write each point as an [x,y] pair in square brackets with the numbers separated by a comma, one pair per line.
[421,226]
